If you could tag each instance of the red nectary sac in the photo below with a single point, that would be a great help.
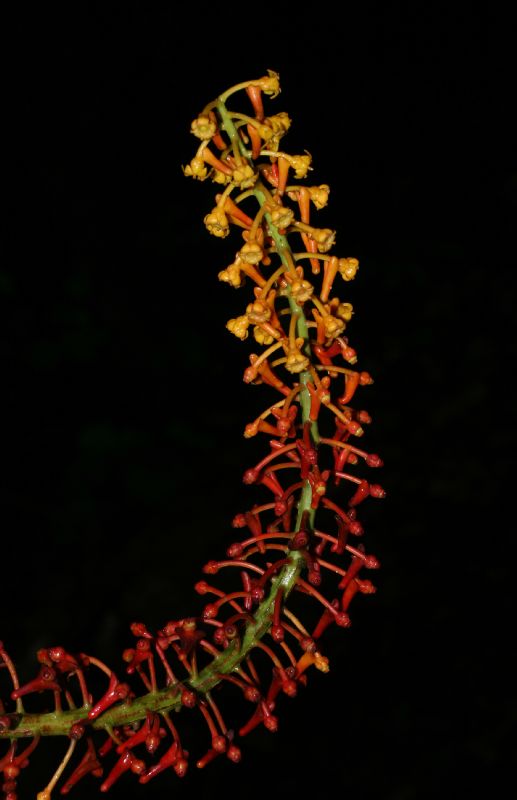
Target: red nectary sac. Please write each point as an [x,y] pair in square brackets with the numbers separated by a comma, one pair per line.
[299,560]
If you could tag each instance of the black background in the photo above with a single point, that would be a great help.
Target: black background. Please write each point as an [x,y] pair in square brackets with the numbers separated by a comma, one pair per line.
[122,393]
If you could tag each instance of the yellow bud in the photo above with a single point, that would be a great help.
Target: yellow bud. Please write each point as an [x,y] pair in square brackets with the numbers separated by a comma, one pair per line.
[279,123]
[196,169]
[324,238]
[265,132]
[321,662]
[217,223]
[301,290]
[244,176]
[251,253]
[262,337]
[239,327]
[345,311]
[231,275]
[281,216]
[300,164]
[220,177]
[319,195]
[269,84]
[203,127]
[258,312]
[348,268]
[274,128]
[296,361]
[333,326]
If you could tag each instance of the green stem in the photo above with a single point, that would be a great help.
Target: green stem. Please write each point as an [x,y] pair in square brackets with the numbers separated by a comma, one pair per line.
[59,723]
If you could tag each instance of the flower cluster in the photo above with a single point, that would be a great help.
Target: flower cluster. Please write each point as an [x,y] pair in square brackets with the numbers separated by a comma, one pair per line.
[300,560]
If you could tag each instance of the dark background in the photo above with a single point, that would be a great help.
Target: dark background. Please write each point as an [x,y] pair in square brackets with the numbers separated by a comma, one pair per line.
[123,404]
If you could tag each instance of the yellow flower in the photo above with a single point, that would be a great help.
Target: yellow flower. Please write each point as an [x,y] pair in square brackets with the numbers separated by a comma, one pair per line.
[296,361]
[239,327]
[345,311]
[301,290]
[264,131]
[203,127]
[300,164]
[196,169]
[270,83]
[319,195]
[217,223]
[251,253]
[274,128]
[280,123]
[220,177]
[231,275]
[348,268]
[244,176]
[333,326]
[258,312]
[324,238]
[281,216]
[262,337]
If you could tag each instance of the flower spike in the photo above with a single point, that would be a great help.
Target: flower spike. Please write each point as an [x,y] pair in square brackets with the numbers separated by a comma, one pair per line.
[310,487]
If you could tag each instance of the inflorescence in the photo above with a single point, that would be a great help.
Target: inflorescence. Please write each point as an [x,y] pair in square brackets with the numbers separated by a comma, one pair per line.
[297,541]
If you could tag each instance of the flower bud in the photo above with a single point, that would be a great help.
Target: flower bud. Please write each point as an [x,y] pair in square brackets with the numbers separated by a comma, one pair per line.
[296,361]
[220,177]
[321,662]
[244,176]
[319,195]
[301,290]
[324,238]
[203,127]
[345,311]
[234,753]
[300,164]
[262,337]
[239,327]
[333,326]
[281,216]
[217,223]
[270,83]
[258,312]
[280,123]
[231,275]
[348,268]
[196,169]
[251,253]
